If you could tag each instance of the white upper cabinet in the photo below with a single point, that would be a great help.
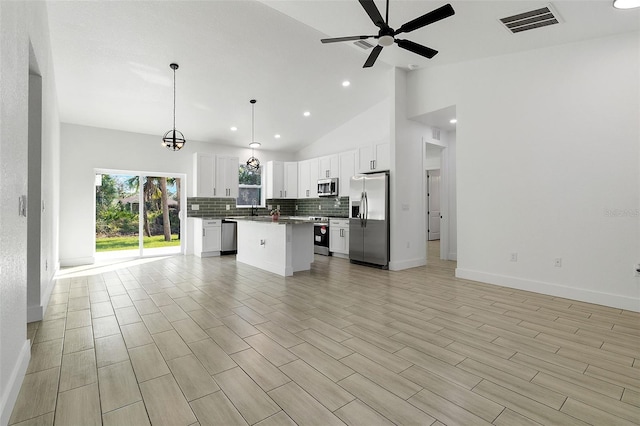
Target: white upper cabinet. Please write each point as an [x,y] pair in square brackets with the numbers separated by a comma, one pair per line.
[347,171]
[291,179]
[329,167]
[308,178]
[226,176]
[282,179]
[374,158]
[204,174]
[275,179]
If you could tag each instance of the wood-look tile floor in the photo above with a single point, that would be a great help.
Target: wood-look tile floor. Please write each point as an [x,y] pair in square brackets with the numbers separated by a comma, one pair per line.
[184,340]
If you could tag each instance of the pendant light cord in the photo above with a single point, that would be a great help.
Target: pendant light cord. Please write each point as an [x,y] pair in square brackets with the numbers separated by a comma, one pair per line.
[174,101]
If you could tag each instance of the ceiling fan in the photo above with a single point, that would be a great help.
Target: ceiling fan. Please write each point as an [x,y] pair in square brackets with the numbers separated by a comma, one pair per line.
[387,35]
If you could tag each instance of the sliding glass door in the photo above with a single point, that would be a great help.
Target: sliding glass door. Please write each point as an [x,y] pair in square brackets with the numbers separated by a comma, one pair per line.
[137,214]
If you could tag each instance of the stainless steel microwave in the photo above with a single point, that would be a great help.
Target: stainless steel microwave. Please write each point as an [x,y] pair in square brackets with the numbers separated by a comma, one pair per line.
[328,187]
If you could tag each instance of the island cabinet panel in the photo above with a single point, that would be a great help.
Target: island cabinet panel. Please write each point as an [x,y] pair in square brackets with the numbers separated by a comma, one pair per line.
[281,248]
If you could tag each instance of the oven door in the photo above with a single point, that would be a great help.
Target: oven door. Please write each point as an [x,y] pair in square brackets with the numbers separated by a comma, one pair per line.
[321,239]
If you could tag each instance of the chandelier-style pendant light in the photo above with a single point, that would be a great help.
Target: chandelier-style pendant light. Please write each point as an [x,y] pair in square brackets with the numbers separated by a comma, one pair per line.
[174,139]
[253,163]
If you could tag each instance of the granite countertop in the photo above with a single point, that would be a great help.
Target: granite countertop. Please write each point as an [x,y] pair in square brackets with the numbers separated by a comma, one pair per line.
[268,219]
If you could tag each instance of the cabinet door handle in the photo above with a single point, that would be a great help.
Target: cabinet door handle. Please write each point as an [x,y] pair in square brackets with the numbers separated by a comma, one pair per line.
[280,194]
[374,164]
[214,192]
[285,193]
[326,173]
[204,232]
[307,192]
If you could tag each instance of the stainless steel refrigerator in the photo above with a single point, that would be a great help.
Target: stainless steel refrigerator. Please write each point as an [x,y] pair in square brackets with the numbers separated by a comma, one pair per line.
[369,219]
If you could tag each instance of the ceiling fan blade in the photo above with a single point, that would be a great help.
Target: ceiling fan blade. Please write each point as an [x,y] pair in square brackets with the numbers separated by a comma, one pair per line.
[426,19]
[373,12]
[425,51]
[372,57]
[338,39]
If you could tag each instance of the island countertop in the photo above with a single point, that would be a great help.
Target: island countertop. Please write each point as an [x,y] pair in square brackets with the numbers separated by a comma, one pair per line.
[268,219]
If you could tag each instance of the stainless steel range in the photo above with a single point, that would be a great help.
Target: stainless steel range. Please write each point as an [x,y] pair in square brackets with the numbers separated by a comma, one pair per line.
[320,235]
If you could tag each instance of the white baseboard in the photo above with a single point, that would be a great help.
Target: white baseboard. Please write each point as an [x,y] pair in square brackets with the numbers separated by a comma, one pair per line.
[37,312]
[580,294]
[11,389]
[77,261]
[407,264]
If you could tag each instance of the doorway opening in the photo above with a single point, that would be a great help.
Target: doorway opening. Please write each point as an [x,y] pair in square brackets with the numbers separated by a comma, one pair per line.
[138,214]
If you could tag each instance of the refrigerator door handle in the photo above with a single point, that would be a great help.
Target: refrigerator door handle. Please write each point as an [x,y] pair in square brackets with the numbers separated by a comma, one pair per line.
[366,208]
[361,213]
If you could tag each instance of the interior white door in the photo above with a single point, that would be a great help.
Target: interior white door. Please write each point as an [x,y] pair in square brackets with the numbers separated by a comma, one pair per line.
[433,204]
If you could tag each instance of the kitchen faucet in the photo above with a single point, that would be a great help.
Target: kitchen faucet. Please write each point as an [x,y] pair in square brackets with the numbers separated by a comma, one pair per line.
[253,209]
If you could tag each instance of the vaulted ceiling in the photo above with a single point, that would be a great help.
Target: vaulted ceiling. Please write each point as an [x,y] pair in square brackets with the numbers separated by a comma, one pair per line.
[111,60]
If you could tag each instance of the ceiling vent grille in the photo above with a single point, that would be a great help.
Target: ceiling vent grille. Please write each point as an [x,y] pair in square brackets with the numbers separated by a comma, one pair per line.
[363,44]
[435,133]
[532,19]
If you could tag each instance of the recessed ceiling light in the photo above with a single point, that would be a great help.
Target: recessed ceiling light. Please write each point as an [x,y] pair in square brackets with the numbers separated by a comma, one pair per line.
[306,113]
[234,128]
[346,83]
[453,121]
[276,136]
[626,4]
[254,145]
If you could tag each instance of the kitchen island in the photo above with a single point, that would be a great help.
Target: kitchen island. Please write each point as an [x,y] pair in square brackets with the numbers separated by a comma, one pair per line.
[283,247]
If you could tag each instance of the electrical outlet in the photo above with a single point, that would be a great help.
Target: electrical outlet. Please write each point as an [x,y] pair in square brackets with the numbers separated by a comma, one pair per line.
[270,207]
[195,206]
[278,207]
[558,262]
[228,207]
[296,207]
[514,257]
[320,207]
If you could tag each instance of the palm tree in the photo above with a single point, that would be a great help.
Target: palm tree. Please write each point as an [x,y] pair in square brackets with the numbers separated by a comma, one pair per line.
[166,222]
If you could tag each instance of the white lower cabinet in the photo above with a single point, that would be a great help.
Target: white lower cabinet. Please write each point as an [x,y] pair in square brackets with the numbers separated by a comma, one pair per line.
[207,237]
[339,237]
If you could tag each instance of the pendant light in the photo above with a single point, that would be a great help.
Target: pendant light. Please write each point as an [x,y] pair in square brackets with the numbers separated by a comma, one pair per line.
[253,163]
[174,139]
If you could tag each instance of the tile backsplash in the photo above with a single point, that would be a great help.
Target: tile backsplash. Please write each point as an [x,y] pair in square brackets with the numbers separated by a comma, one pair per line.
[217,207]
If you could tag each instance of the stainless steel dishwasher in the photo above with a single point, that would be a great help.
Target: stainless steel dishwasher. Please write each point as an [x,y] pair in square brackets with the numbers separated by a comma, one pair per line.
[229,237]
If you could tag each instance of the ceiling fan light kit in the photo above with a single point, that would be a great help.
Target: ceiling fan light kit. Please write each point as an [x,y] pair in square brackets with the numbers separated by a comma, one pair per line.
[387,35]
[174,139]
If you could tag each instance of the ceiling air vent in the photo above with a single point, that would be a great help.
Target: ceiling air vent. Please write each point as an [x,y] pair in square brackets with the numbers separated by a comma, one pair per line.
[435,133]
[363,44]
[532,19]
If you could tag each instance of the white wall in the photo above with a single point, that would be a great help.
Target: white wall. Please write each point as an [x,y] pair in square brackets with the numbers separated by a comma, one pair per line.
[22,23]
[548,166]
[84,149]
[408,235]
[367,128]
